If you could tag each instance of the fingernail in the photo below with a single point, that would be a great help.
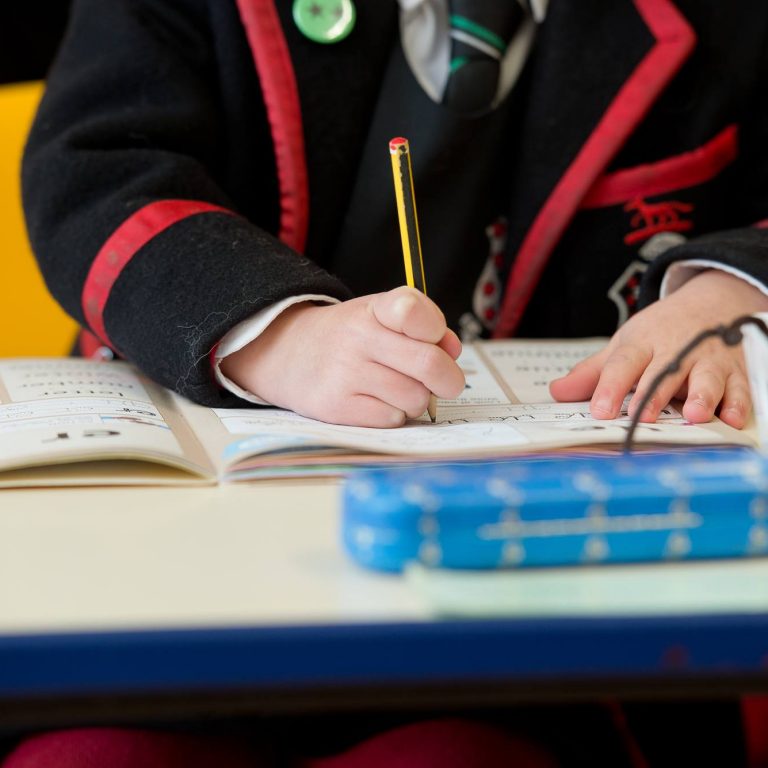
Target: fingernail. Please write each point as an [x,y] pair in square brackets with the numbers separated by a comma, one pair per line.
[734,415]
[403,305]
[603,406]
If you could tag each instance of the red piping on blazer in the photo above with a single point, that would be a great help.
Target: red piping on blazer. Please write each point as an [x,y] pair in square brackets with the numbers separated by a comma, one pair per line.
[123,244]
[685,170]
[675,40]
[281,97]
[91,347]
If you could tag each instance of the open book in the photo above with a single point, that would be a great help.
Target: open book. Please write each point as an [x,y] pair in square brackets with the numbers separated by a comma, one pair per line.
[69,421]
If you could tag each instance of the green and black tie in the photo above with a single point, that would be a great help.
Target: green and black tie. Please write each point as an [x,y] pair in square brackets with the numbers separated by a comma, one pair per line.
[480,32]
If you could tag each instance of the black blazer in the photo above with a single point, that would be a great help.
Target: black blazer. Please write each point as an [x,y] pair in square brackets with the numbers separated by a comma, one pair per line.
[192,161]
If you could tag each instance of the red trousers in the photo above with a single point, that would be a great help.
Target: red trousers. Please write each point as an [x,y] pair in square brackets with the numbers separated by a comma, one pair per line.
[437,743]
[445,743]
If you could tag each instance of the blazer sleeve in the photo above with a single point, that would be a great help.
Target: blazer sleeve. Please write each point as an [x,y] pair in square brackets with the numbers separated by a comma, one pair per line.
[135,233]
[743,245]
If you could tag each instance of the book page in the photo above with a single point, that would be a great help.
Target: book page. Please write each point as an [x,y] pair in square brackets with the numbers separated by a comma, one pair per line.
[488,419]
[63,410]
[526,366]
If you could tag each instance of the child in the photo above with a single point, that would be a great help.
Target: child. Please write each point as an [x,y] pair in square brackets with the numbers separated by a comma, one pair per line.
[208,192]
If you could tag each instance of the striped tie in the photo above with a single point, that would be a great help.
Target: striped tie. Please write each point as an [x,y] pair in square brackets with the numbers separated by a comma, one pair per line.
[480,32]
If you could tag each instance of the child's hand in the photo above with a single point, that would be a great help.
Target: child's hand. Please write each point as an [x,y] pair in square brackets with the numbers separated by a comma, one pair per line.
[372,361]
[712,375]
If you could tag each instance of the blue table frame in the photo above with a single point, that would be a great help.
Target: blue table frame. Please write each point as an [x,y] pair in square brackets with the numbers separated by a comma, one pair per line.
[292,669]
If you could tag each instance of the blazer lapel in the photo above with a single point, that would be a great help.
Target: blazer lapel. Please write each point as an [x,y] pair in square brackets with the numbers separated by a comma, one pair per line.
[303,83]
[340,80]
[585,101]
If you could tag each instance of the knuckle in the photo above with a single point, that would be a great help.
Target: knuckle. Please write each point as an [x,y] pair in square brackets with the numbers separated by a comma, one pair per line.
[459,383]
[450,383]
[621,358]
[418,401]
[430,360]
[649,404]
[738,397]
[708,370]
[703,393]
[393,417]
[355,335]
[656,389]
[736,406]
[658,383]
[457,389]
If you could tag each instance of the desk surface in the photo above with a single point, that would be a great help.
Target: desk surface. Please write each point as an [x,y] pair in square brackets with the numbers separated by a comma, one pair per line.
[241,596]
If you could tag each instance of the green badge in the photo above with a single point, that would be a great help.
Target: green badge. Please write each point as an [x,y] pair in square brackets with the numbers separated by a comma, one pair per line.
[324,21]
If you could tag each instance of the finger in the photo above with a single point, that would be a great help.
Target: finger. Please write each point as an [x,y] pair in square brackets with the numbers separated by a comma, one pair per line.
[579,383]
[706,385]
[408,311]
[737,400]
[451,344]
[419,360]
[669,387]
[394,388]
[361,411]
[621,370]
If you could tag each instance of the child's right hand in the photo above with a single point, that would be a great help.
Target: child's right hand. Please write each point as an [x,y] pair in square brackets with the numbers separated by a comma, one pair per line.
[370,362]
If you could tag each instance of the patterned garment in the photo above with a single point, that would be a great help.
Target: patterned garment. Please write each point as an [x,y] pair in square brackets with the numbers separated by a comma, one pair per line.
[426,33]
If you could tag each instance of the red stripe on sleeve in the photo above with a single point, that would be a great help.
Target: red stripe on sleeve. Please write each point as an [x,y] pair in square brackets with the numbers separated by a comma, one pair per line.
[132,235]
[89,346]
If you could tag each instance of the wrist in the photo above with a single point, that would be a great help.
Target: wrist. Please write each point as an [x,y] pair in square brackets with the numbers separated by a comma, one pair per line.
[722,287]
[259,365]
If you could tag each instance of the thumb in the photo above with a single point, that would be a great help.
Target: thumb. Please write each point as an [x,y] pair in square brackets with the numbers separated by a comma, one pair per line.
[408,311]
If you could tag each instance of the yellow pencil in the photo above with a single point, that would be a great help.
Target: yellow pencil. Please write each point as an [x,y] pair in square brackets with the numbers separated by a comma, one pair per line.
[409,226]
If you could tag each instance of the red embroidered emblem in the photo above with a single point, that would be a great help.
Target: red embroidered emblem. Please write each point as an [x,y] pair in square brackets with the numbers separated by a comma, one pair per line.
[652,218]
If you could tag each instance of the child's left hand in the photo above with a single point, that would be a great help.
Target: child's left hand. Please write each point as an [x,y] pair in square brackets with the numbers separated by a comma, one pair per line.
[712,376]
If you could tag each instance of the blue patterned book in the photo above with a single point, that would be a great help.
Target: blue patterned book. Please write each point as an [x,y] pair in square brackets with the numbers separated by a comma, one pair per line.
[560,510]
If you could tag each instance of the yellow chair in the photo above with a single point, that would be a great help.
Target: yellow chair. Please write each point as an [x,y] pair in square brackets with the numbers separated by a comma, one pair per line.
[31,323]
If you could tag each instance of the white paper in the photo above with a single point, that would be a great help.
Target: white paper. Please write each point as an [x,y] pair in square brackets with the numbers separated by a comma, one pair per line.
[35,379]
[279,430]
[529,366]
[60,409]
[482,421]
[481,385]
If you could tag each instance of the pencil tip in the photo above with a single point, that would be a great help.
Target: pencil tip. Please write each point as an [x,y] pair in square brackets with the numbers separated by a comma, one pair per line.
[432,408]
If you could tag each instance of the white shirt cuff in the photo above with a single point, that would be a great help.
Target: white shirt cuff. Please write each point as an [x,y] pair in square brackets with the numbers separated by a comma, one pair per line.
[248,330]
[681,272]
